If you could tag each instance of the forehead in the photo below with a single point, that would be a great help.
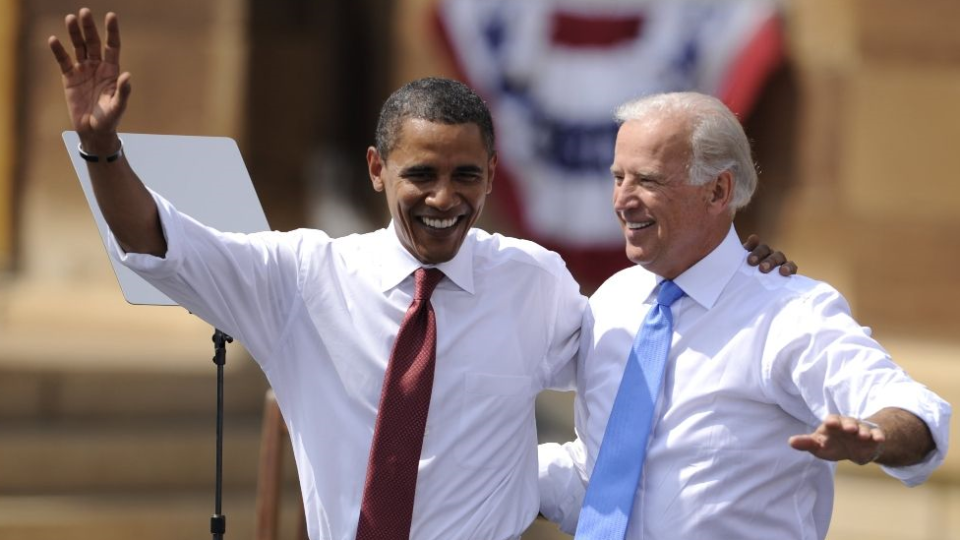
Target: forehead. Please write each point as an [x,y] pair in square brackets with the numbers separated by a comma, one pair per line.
[658,143]
[422,138]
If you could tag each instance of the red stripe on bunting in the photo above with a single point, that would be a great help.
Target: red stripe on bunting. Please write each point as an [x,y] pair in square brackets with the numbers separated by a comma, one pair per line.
[752,68]
[578,30]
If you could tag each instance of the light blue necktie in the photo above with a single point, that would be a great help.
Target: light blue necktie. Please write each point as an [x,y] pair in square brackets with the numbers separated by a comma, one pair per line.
[613,485]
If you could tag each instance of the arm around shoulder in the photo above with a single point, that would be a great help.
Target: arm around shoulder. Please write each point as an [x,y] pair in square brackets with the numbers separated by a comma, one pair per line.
[562,483]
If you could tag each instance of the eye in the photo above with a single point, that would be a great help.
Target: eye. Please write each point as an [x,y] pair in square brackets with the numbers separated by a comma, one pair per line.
[617,179]
[649,180]
[469,177]
[467,174]
[417,176]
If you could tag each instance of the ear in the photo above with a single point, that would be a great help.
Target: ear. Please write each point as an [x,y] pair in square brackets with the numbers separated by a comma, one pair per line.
[375,168]
[721,193]
[491,170]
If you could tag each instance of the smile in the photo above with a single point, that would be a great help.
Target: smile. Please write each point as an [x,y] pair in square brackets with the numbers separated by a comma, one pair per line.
[637,225]
[436,223]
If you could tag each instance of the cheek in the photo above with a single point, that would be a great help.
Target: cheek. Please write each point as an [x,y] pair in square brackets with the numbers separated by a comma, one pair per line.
[475,197]
[405,197]
[479,200]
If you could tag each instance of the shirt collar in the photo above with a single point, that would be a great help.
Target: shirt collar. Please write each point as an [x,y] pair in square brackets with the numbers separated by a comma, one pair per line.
[397,263]
[705,280]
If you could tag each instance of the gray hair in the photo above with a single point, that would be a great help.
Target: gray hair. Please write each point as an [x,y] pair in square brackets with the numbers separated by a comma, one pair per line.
[717,139]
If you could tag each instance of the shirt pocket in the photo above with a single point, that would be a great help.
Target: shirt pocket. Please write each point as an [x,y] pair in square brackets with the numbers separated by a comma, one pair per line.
[496,420]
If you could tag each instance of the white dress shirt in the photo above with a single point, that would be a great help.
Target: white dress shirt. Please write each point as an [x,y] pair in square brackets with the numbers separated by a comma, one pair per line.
[755,358]
[320,316]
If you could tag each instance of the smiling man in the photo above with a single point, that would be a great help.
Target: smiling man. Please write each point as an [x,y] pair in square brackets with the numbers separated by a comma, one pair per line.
[405,361]
[722,417]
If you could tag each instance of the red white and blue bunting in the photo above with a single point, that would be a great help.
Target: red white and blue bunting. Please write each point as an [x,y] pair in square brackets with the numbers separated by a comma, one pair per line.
[553,72]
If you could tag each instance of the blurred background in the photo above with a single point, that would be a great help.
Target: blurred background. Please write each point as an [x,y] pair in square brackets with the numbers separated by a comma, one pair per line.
[106,409]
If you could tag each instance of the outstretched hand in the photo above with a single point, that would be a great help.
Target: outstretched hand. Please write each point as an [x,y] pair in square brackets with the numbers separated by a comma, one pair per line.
[842,437]
[95,90]
[761,255]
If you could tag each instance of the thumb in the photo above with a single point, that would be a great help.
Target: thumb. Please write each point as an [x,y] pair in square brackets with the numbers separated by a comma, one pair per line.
[122,95]
[805,443]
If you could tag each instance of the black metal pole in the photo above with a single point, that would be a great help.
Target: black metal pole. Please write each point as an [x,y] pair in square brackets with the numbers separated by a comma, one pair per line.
[218,523]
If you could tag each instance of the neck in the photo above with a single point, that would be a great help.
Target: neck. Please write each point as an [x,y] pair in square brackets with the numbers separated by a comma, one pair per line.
[712,237]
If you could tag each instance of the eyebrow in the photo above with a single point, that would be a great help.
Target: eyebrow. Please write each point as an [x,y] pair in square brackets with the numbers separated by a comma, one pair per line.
[469,169]
[429,169]
[639,174]
[418,169]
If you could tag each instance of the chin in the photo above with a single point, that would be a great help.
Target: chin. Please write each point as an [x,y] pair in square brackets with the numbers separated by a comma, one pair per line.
[436,259]
[438,255]
[639,257]
[635,254]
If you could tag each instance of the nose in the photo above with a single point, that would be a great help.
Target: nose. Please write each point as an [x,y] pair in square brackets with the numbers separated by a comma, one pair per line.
[444,195]
[624,197]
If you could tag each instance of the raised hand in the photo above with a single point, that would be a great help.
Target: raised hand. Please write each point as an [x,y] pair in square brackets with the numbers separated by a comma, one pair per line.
[97,95]
[841,437]
[95,90]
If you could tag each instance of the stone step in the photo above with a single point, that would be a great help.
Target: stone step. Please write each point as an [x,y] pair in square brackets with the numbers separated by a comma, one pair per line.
[76,457]
[87,391]
[144,516]
[81,352]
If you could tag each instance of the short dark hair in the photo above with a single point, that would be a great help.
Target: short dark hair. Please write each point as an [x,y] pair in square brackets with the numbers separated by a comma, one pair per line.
[443,101]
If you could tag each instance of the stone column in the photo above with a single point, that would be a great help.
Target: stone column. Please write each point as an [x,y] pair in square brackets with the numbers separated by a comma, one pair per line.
[9,41]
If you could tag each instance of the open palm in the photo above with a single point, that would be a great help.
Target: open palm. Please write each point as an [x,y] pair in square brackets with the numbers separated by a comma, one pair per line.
[841,438]
[95,91]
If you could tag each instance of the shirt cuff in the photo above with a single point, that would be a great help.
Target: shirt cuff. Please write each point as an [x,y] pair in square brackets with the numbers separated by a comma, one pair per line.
[935,412]
[151,265]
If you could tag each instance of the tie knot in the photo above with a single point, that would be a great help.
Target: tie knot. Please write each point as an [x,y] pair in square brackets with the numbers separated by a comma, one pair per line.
[669,293]
[426,280]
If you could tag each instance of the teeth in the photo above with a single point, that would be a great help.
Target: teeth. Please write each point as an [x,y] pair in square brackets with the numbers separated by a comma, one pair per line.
[440,223]
[638,225]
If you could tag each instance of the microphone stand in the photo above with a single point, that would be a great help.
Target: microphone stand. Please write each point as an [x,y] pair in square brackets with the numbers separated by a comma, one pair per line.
[218,523]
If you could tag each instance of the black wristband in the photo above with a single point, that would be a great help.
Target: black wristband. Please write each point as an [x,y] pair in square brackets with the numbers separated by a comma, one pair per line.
[94,159]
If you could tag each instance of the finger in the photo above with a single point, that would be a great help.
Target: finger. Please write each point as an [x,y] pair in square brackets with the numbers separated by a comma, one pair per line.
[752,242]
[850,425]
[76,37]
[805,443]
[112,53]
[788,269]
[90,35]
[122,94]
[832,421]
[772,261]
[758,254]
[776,258]
[63,59]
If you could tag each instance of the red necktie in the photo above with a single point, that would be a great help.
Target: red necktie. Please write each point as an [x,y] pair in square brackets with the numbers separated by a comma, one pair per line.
[387,506]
